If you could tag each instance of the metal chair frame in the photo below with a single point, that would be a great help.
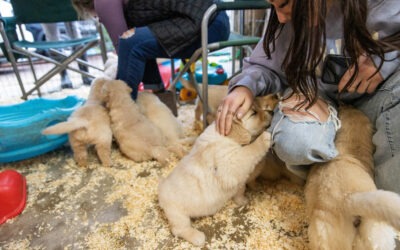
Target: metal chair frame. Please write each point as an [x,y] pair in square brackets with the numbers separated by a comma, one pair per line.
[18,48]
[235,40]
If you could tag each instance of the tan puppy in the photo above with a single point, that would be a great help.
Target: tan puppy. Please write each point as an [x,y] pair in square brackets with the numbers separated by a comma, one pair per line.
[138,138]
[215,95]
[346,210]
[88,125]
[111,66]
[159,114]
[215,170]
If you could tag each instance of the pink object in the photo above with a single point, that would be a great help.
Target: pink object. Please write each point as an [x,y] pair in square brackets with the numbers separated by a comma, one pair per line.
[12,194]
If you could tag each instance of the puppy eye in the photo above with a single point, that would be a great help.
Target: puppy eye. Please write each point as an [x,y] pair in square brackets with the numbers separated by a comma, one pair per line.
[253,113]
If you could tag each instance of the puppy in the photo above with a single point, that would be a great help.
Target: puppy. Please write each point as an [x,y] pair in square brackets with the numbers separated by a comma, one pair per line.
[215,95]
[345,208]
[88,125]
[159,114]
[138,138]
[215,170]
[111,66]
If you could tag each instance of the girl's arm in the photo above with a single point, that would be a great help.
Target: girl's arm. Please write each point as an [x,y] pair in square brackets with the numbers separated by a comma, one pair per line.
[111,15]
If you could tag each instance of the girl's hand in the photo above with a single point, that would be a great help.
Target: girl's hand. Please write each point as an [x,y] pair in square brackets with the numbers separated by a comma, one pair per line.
[363,82]
[237,103]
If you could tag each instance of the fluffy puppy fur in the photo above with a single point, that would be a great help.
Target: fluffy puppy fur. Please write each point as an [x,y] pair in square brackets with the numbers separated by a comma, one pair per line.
[215,95]
[88,125]
[138,138]
[215,170]
[111,66]
[159,114]
[345,208]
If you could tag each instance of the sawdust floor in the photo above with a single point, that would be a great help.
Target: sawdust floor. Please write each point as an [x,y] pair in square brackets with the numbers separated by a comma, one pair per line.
[69,207]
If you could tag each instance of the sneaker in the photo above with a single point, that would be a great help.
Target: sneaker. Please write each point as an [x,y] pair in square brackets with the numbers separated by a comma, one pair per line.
[65,81]
[87,80]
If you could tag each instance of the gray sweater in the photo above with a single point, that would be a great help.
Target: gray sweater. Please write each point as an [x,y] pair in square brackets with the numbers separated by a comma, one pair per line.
[262,75]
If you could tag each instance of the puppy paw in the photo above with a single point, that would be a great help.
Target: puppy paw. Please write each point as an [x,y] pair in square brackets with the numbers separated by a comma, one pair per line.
[196,237]
[81,162]
[266,137]
[241,200]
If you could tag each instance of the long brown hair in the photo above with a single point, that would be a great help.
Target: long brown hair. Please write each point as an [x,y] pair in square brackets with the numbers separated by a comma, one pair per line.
[308,44]
[82,7]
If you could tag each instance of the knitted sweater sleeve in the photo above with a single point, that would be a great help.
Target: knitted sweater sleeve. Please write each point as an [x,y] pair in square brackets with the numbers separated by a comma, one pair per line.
[111,15]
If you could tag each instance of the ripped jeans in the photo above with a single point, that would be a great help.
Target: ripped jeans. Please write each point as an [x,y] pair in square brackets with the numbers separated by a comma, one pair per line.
[302,140]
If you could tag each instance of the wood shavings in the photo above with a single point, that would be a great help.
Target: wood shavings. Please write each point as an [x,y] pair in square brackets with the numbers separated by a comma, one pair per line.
[117,208]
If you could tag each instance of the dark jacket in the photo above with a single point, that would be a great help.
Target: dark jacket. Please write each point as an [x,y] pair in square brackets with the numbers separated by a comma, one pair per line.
[175,23]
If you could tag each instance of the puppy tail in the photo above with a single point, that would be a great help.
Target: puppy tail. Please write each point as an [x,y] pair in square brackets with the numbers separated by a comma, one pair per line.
[379,205]
[188,141]
[65,127]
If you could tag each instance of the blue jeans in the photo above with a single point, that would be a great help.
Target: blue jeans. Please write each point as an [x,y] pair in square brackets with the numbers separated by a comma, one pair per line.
[383,109]
[301,143]
[137,54]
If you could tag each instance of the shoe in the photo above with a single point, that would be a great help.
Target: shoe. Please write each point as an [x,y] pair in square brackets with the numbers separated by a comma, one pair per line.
[65,81]
[168,97]
[87,80]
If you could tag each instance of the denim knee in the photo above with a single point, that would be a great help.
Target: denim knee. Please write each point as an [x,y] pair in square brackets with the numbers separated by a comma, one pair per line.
[383,109]
[299,143]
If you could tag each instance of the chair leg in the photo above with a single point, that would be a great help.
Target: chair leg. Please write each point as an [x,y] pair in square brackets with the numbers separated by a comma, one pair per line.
[59,67]
[11,57]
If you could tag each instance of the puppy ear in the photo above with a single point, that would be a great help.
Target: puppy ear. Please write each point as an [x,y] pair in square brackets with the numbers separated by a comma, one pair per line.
[268,102]
[238,133]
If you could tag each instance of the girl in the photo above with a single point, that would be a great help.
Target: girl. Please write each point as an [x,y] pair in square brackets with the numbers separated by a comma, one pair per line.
[301,35]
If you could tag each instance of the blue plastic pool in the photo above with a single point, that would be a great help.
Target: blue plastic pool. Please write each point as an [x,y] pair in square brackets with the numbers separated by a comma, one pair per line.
[21,125]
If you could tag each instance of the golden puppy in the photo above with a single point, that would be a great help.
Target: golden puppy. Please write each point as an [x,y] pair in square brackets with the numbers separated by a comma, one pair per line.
[111,66]
[346,210]
[215,170]
[88,125]
[215,95]
[138,138]
[159,114]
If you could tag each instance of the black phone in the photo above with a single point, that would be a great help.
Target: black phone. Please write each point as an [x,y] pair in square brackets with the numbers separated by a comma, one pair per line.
[334,67]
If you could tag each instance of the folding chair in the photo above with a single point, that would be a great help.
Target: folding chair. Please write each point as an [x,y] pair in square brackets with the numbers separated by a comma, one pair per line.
[45,11]
[235,40]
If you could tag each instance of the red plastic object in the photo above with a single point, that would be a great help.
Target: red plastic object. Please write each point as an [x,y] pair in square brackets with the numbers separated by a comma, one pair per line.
[12,194]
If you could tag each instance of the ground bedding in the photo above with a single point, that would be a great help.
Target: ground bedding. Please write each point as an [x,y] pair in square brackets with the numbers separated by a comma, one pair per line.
[116,208]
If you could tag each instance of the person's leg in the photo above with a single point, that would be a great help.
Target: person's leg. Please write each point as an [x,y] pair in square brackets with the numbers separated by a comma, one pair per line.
[151,76]
[383,109]
[142,48]
[53,34]
[74,32]
[133,54]
[301,137]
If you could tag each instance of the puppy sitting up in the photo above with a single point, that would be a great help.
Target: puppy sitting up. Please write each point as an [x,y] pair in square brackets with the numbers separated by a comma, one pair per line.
[138,138]
[345,208]
[159,114]
[215,170]
[88,125]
